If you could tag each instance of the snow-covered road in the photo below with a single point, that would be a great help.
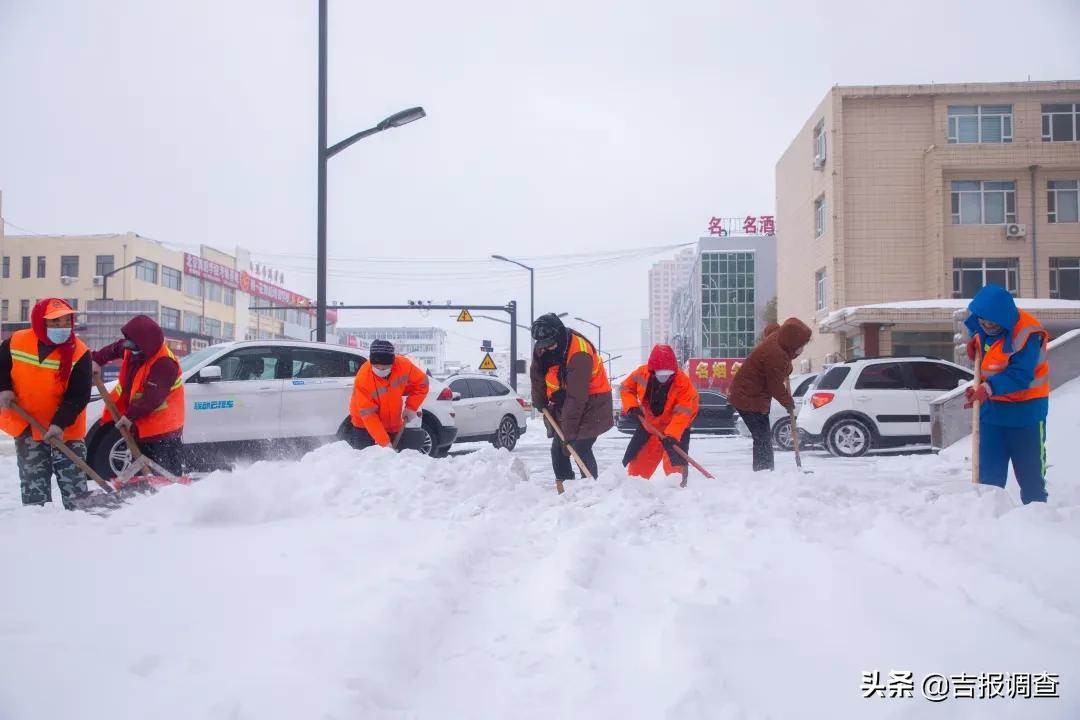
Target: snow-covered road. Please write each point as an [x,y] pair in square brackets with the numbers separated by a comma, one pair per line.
[370,585]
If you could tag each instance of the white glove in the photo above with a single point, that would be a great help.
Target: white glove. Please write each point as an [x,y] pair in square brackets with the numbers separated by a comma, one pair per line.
[411,415]
[123,423]
[6,398]
[55,432]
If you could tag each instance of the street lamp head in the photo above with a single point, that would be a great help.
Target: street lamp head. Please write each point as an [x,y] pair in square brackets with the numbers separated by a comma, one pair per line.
[402,118]
[499,257]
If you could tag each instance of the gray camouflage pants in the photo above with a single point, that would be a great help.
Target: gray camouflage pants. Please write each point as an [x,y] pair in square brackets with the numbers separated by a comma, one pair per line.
[38,462]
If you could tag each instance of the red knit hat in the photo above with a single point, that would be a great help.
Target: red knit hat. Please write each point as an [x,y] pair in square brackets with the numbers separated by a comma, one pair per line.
[662,357]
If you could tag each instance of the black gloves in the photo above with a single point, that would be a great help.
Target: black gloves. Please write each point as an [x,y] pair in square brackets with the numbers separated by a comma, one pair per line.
[635,413]
[669,443]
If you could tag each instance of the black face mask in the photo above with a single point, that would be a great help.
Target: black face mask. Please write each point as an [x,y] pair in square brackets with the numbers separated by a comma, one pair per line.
[132,348]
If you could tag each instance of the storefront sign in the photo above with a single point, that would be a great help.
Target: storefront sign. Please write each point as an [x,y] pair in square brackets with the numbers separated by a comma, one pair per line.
[244,281]
[749,225]
[200,267]
[714,373]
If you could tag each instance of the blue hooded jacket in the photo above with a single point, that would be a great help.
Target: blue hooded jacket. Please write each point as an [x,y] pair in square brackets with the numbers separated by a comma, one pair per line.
[994,303]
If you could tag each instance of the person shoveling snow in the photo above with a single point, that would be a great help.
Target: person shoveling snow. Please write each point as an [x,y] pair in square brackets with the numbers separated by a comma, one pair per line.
[378,400]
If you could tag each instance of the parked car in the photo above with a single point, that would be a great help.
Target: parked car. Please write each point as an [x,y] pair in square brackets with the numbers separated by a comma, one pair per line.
[487,410]
[779,419]
[875,403]
[265,399]
[715,416]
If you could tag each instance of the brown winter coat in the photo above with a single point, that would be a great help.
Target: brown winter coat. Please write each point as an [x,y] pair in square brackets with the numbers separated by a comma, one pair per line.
[580,415]
[763,376]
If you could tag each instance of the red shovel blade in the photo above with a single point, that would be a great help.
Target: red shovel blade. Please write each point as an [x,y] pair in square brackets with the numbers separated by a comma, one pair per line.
[151,481]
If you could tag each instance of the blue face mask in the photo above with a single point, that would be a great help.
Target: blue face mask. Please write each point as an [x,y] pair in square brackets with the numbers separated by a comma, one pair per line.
[58,336]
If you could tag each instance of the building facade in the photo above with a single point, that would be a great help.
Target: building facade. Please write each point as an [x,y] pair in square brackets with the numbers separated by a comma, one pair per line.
[665,278]
[718,314]
[906,193]
[210,295]
[424,345]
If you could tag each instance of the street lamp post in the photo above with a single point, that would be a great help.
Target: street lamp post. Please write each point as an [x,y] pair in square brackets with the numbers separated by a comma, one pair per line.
[105,278]
[599,340]
[325,153]
[532,286]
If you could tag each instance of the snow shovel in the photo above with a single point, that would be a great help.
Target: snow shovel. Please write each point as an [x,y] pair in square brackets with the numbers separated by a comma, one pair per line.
[573,453]
[678,451]
[795,440]
[975,412]
[142,468]
[62,447]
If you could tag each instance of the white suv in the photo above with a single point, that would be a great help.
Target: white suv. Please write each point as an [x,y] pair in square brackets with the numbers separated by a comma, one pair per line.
[260,399]
[875,403]
[487,410]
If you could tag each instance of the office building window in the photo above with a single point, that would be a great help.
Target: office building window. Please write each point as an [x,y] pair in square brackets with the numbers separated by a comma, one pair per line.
[983,202]
[193,286]
[212,328]
[727,303]
[228,296]
[1063,201]
[819,216]
[213,291]
[41,266]
[192,323]
[1061,122]
[819,145]
[4,310]
[934,344]
[25,266]
[104,264]
[69,266]
[1065,278]
[24,311]
[980,124]
[170,318]
[146,271]
[970,275]
[7,266]
[228,331]
[819,285]
[170,277]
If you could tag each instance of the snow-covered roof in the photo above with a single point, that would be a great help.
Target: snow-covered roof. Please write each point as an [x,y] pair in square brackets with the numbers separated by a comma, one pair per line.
[936,310]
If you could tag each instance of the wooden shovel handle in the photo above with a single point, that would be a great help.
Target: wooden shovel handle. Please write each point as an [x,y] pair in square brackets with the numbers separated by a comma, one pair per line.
[62,447]
[573,452]
[678,450]
[976,406]
[111,406]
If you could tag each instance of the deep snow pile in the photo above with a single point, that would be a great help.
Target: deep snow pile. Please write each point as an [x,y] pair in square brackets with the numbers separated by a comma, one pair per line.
[372,585]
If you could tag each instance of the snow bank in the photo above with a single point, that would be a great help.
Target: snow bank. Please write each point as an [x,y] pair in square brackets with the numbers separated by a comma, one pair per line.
[371,585]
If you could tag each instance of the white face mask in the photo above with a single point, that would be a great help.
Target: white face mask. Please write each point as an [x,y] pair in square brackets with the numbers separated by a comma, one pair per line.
[381,372]
[58,336]
[664,375]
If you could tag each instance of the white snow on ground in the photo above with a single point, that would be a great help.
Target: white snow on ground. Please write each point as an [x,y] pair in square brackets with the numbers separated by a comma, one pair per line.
[371,585]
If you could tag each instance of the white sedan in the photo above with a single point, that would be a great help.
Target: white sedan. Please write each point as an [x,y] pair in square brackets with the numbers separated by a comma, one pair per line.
[487,410]
[262,399]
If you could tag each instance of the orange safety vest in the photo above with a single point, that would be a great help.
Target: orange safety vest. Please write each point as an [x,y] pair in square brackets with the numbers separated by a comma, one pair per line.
[38,388]
[377,403]
[680,409]
[597,385]
[165,418]
[996,360]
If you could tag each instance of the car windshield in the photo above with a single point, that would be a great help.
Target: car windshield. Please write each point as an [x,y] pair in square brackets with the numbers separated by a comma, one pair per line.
[191,361]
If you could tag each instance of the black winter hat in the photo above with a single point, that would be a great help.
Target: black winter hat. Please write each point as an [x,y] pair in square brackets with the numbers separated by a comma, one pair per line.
[548,329]
[382,352]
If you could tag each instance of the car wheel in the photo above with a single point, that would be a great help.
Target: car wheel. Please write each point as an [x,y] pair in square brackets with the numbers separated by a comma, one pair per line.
[781,434]
[427,446]
[849,437]
[111,456]
[506,436]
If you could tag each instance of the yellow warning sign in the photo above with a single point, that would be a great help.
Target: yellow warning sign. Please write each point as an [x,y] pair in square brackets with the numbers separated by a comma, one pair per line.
[464,316]
[488,363]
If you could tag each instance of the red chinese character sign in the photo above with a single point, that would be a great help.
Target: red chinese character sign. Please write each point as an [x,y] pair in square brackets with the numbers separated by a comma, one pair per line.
[749,225]
[714,373]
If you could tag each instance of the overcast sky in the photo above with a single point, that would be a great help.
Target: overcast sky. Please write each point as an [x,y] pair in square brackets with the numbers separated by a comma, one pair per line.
[554,128]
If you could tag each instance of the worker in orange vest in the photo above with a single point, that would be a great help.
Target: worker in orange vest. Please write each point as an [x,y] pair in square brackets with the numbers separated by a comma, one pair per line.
[660,394]
[1014,393]
[378,399]
[149,392]
[568,378]
[47,371]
